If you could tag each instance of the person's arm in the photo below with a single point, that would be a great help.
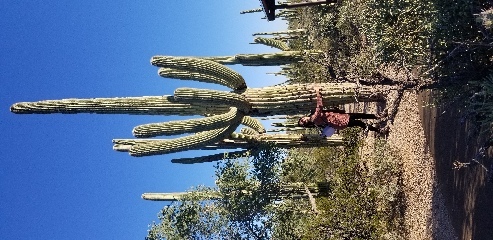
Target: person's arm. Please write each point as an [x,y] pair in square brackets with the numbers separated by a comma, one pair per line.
[318,109]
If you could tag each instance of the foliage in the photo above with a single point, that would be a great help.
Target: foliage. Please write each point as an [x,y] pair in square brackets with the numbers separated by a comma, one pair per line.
[192,218]
[481,102]
[249,188]
[366,196]
[250,206]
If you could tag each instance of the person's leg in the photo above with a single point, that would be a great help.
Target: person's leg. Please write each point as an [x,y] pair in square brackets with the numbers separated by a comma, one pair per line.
[361,124]
[362,116]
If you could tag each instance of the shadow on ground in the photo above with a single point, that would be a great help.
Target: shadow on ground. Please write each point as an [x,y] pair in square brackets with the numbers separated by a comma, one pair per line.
[467,194]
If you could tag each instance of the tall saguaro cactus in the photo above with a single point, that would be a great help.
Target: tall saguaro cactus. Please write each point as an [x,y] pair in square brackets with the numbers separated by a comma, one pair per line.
[224,111]
[286,190]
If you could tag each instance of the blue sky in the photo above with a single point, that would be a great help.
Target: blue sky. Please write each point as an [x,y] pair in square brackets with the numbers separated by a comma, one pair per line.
[59,177]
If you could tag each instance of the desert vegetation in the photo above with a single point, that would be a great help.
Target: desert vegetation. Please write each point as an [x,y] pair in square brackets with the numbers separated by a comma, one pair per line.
[410,45]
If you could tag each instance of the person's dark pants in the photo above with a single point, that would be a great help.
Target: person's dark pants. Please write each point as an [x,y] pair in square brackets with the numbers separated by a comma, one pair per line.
[355,122]
[361,116]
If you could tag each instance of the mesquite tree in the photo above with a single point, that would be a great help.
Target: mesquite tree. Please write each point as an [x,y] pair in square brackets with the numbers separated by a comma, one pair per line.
[224,111]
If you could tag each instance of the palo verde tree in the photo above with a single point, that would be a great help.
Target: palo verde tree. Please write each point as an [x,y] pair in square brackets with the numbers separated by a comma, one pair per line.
[224,111]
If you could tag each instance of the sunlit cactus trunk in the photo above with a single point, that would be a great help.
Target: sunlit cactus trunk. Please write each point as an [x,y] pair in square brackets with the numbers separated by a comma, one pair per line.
[234,141]
[301,98]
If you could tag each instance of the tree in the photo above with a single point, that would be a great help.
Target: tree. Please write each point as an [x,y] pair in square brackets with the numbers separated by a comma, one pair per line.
[249,199]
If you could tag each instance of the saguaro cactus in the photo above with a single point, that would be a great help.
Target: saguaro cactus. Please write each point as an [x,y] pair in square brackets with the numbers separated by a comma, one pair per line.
[224,111]
[286,190]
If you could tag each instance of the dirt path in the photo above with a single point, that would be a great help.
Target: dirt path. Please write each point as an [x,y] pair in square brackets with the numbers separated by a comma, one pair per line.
[426,216]
[466,195]
[442,203]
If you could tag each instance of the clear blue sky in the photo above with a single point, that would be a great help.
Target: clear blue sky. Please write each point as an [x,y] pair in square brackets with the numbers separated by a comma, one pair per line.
[59,177]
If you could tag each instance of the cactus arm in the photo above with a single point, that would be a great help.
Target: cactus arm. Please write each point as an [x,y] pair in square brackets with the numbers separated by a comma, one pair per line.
[154,105]
[249,131]
[195,141]
[180,144]
[198,65]
[184,126]
[253,123]
[272,43]
[195,76]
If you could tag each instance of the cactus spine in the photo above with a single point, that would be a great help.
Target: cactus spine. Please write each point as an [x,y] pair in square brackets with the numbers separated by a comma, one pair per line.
[176,196]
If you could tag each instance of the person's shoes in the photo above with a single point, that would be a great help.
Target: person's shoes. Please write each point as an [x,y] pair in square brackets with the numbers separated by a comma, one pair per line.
[382,115]
[384,130]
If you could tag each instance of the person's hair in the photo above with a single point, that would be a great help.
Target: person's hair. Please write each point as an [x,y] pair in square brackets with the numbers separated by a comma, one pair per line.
[308,124]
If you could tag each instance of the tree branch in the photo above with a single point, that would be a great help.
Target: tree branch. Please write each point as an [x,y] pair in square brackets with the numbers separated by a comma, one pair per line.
[312,200]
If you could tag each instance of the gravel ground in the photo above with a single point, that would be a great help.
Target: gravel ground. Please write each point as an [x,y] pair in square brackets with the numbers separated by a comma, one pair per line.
[426,216]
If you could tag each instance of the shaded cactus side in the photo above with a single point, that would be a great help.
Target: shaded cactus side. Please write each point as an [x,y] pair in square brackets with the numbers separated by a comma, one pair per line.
[272,43]
[211,158]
